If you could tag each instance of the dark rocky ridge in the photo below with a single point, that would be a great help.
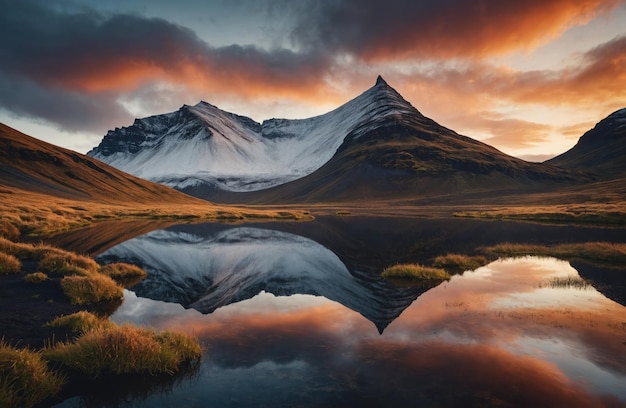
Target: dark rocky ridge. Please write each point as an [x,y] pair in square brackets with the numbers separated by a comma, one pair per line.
[601,150]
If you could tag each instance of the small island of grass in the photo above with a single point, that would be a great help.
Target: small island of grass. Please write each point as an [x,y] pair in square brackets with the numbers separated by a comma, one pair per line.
[415,272]
[460,262]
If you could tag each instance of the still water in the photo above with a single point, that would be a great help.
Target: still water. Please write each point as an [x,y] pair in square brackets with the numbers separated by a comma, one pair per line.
[287,321]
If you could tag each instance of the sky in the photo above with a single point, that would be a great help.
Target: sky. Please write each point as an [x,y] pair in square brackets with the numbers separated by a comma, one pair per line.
[527,77]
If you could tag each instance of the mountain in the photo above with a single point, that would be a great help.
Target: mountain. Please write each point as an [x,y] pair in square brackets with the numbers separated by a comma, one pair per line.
[601,150]
[376,145]
[204,147]
[33,165]
[220,265]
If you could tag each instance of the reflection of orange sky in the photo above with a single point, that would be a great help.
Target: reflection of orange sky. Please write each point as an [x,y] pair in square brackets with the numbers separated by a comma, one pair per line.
[452,336]
[476,372]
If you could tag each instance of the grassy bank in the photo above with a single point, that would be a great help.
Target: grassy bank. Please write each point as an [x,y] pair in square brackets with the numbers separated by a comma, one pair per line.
[583,214]
[98,347]
[598,253]
[37,214]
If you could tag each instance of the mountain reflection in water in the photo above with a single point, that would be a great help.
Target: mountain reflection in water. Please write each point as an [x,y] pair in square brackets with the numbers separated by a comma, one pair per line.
[284,326]
[206,272]
[497,336]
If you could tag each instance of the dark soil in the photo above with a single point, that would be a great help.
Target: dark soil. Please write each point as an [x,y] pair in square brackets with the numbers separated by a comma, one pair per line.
[26,307]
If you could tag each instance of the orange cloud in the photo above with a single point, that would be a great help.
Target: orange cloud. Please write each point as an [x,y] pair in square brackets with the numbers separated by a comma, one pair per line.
[375,30]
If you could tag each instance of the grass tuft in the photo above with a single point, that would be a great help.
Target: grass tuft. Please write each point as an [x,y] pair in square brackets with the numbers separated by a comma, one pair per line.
[9,264]
[87,290]
[67,263]
[460,262]
[569,282]
[9,231]
[124,273]
[414,271]
[25,379]
[36,277]
[126,350]
[80,322]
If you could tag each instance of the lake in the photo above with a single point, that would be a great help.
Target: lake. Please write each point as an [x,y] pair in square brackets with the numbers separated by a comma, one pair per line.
[294,314]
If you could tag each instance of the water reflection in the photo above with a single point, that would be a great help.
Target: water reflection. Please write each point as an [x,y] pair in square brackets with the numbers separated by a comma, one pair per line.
[287,320]
[496,336]
[210,269]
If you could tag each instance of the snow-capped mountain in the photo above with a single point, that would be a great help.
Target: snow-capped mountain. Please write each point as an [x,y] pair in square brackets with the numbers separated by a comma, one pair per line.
[202,145]
[208,270]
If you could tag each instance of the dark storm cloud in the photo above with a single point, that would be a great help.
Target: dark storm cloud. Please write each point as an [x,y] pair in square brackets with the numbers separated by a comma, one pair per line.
[79,62]
[380,30]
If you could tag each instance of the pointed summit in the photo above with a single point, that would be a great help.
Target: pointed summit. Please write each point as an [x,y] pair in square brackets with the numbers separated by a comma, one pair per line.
[380,81]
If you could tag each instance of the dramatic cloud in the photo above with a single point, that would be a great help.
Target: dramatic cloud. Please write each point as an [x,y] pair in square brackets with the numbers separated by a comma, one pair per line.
[86,56]
[87,70]
[375,30]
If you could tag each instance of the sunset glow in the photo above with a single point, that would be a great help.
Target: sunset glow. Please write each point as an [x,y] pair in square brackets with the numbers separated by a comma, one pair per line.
[526,77]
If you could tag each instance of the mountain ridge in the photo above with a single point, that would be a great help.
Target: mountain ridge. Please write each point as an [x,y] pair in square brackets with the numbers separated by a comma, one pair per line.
[377,145]
[235,153]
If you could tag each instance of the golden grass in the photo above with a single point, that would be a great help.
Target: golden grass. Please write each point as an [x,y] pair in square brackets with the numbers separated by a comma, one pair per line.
[25,379]
[9,231]
[126,350]
[38,214]
[414,271]
[606,214]
[460,262]
[87,290]
[80,322]
[25,251]
[68,263]
[601,253]
[124,273]
[9,264]
[36,277]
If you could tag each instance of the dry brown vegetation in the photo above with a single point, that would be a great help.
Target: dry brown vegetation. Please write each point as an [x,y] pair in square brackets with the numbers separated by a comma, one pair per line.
[125,350]
[87,290]
[102,347]
[9,264]
[37,214]
[609,214]
[460,262]
[601,253]
[80,322]
[25,379]
[36,277]
[123,272]
[414,271]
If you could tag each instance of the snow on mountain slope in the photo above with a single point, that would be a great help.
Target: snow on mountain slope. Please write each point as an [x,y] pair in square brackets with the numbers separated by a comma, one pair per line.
[202,144]
[213,269]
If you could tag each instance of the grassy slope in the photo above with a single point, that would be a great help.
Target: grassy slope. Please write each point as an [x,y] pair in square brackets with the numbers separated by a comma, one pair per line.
[45,189]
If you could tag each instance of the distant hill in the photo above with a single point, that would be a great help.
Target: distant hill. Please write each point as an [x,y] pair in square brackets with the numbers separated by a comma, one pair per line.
[601,150]
[35,166]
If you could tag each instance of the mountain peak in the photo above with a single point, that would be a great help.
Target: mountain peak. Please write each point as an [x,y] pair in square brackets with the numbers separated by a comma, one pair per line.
[380,80]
